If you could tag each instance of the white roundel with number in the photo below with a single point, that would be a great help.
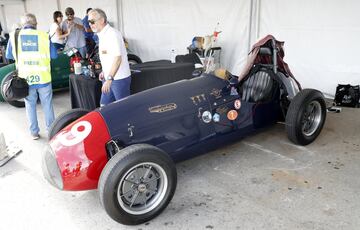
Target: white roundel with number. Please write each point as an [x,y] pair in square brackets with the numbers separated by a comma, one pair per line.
[237,104]
[77,134]
[206,117]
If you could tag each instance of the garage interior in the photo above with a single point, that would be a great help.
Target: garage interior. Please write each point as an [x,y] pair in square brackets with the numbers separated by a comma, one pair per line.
[260,182]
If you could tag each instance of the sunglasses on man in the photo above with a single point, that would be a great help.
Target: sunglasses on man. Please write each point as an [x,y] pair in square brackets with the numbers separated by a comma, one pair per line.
[92,21]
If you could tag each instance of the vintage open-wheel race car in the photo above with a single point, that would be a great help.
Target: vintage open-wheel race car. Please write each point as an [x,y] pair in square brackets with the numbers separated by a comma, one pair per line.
[128,149]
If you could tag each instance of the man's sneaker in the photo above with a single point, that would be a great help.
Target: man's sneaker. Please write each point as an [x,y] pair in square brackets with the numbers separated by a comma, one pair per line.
[35,136]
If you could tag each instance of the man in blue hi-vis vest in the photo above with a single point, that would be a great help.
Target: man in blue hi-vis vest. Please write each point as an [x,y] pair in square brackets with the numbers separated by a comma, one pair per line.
[32,59]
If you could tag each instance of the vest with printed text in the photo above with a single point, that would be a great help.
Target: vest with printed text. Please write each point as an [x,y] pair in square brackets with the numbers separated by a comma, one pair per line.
[33,58]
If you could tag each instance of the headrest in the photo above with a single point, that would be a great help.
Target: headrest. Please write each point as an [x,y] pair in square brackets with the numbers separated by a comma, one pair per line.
[265,51]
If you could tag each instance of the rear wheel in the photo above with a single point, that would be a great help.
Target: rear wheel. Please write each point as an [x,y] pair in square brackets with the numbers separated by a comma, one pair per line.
[306,116]
[137,184]
[133,59]
[65,119]
[16,103]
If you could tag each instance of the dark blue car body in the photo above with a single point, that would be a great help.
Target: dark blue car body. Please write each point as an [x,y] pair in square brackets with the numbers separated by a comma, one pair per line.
[181,131]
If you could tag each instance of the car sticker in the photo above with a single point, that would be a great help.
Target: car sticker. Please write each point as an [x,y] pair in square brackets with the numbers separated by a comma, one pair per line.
[162,108]
[77,134]
[216,117]
[233,91]
[232,115]
[216,93]
[131,130]
[206,117]
[222,110]
[198,99]
[237,104]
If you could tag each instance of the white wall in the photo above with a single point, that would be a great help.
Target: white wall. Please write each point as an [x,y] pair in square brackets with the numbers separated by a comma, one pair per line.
[10,13]
[322,39]
[80,6]
[43,11]
[155,27]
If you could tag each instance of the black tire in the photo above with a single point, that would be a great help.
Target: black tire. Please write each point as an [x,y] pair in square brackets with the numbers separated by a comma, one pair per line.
[65,119]
[124,170]
[133,59]
[306,116]
[16,103]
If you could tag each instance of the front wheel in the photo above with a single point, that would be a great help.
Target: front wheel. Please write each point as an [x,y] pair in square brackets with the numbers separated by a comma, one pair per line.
[306,116]
[137,184]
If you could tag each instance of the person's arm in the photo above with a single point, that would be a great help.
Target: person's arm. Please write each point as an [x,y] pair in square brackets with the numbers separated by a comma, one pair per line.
[81,27]
[9,54]
[89,30]
[86,25]
[63,35]
[64,27]
[78,23]
[114,68]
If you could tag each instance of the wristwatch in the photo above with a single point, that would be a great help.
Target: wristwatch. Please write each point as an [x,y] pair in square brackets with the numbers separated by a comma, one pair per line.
[109,77]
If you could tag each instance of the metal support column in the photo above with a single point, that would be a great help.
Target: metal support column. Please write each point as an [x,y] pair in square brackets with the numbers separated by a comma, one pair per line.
[120,16]
[254,22]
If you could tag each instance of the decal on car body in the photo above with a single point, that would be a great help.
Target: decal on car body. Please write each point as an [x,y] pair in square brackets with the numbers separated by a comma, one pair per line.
[162,108]
[76,134]
[216,117]
[233,91]
[198,99]
[216,93]
[232,115]
[237,104]
[206,117]
[222,110]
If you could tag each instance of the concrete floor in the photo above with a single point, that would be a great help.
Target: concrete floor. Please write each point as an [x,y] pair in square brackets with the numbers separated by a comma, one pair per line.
[261,182]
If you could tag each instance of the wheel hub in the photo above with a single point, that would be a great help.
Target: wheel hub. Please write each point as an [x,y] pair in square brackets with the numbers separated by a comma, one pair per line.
[311,118]
[142,188]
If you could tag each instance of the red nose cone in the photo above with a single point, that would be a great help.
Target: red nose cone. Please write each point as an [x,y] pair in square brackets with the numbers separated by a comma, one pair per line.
[80,151]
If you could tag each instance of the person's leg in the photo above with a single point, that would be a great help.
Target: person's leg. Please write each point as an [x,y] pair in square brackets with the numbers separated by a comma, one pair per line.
[45,94]
[30,105]
[121,88]
[107,98]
